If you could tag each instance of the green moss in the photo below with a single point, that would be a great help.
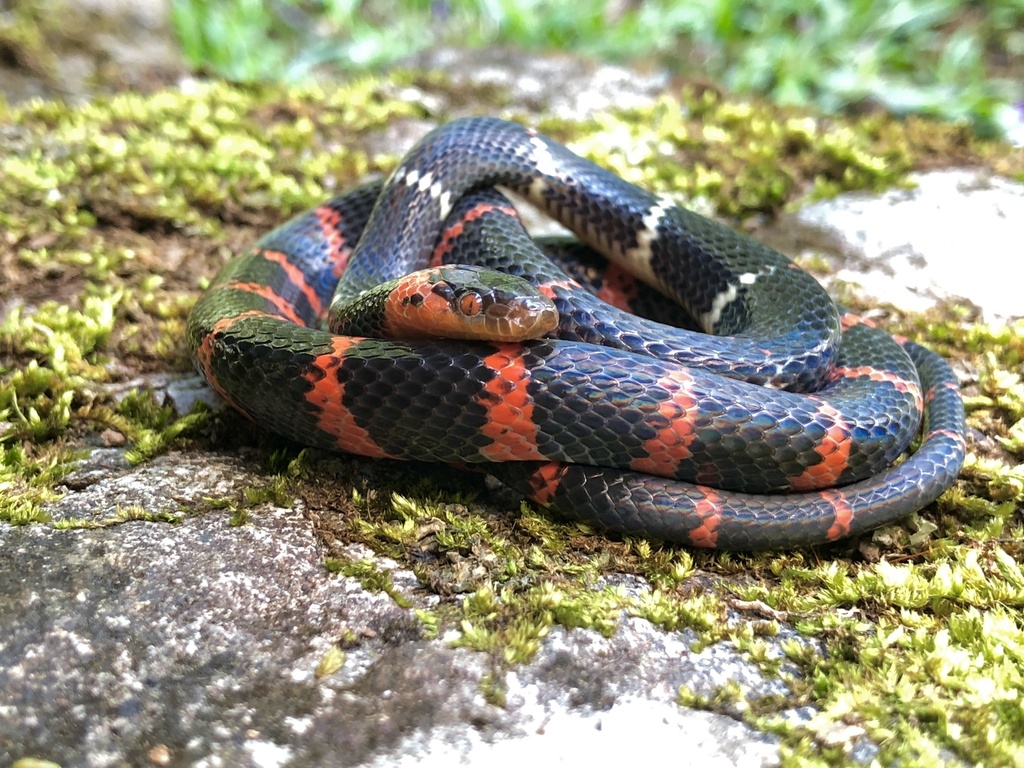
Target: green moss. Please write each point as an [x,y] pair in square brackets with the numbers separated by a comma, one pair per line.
[494,690]
[23,40]
[370,576]
[510,625]
[275,492]
[175,160]
[121,515]
[430,622]
[33,762]
[921,657]
[332,661]
[89,179]
[728,153]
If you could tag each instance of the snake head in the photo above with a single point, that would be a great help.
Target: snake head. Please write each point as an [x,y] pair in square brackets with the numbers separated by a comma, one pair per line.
[449,302]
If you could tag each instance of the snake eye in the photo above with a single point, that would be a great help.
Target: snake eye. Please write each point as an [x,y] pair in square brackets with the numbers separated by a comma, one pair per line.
[471,304]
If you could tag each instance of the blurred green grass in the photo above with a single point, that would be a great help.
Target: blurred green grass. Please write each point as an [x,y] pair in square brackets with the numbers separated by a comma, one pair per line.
[944,58]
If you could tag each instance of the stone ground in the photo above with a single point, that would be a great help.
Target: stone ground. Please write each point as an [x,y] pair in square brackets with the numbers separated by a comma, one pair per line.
[199,643]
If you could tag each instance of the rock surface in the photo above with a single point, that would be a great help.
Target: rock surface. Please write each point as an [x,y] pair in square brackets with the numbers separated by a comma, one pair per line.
[947,238]
[201,641]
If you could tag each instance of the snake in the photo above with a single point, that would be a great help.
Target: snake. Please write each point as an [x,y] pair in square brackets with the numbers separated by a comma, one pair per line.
[774,420]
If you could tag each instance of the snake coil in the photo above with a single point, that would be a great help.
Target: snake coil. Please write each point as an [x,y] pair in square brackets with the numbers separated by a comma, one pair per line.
[777,426]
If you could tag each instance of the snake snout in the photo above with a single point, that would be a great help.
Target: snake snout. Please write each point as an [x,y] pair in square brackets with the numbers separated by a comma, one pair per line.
[523,318]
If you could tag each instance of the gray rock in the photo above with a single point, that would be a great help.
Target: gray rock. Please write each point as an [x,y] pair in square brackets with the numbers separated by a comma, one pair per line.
[199,642]
[560,86]
[953,236]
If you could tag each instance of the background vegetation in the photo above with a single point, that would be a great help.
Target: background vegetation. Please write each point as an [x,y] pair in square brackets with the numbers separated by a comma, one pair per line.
[947,58]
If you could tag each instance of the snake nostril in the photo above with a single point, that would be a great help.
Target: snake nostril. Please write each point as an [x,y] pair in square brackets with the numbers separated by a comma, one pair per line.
[443,289]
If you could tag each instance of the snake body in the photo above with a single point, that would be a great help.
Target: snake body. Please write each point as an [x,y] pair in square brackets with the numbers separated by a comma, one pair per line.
[777,426]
